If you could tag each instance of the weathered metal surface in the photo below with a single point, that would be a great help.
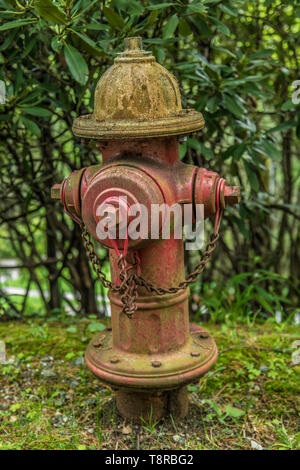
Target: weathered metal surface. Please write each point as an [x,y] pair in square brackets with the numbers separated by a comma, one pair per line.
[232,195]
[148,356]
[119,181]
[56,191]
[153,350]
[135,406]
[137,98]
[159,325]
[136,372]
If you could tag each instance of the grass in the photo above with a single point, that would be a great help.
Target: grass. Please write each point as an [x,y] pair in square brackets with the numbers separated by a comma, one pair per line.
[49,399]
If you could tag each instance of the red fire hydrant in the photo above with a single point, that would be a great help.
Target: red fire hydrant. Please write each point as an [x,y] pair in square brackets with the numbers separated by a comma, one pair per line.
[151,352]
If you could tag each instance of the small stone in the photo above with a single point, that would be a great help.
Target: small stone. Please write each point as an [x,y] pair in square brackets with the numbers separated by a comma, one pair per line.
[48,374]
[74,383]
[90,401]
[58,403]
[79,361]
[255,445]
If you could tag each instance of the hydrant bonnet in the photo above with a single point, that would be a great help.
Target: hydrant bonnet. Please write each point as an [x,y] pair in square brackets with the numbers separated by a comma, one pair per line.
[137,98]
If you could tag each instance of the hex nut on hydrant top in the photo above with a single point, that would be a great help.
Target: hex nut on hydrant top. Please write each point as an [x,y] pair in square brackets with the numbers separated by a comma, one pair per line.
[151,352]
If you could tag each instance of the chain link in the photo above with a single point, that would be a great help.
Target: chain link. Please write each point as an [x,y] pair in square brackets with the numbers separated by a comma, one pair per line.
[130,281]
[204,259]
[96,263]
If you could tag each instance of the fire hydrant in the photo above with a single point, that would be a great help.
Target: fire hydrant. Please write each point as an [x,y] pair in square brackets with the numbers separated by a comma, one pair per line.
[151,352]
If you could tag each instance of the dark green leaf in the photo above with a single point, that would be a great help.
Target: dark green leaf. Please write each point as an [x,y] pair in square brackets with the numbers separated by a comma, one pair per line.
[270,149]
[182,150]
[89,42]
[36,111]
[251,176]
[235,150]
[264,303]
[184,28]
[206,152]
[113,18]
[233,106]
[288,105]
[170,27]
[221,27]
[283,126]
[158,6]
[56,43]
[230,10]
[15,24]
[96,27]
[196,7]
[262,54]
[76,63]
[50,12]
[31,126]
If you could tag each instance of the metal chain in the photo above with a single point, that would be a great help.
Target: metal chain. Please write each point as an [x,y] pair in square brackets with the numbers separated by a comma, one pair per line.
[127,288]
[96,263]
[204,259]
[129,282]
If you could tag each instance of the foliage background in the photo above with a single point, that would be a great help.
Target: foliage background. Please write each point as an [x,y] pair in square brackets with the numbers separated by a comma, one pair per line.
[236,62]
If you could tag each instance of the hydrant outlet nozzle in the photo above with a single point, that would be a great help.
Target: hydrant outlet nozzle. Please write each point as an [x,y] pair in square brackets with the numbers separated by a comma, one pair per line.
[232,195]
[56,191]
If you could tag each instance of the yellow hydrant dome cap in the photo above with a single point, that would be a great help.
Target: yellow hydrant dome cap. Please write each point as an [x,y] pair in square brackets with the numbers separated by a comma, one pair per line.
[137,98]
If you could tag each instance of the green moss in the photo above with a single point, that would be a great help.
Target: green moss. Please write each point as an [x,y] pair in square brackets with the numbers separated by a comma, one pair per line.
[252,385]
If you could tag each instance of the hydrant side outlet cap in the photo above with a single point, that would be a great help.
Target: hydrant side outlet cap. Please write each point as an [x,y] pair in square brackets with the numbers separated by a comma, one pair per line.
[137,98]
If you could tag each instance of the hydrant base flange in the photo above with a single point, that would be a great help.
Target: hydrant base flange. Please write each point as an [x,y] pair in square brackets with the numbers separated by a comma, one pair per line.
[141,372]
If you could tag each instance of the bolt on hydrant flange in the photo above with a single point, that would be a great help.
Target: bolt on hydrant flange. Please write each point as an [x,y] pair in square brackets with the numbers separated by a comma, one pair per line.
[151,352]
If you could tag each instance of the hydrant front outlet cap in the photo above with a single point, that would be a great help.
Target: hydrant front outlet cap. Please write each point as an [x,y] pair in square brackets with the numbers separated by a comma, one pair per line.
[137,98]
